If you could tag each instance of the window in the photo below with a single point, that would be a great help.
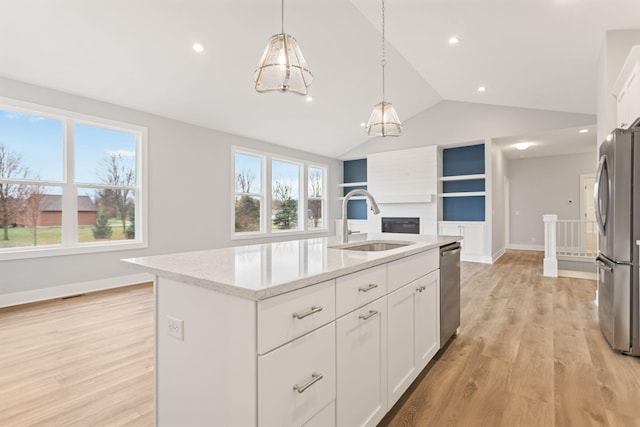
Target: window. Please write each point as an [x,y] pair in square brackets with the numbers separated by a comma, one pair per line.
[69,183]
[269,197]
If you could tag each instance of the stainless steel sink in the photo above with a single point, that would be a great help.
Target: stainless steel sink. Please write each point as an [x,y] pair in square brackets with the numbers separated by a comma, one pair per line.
[372,246]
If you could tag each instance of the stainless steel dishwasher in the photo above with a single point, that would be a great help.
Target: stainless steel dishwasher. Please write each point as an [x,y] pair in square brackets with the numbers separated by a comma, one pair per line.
[449,291]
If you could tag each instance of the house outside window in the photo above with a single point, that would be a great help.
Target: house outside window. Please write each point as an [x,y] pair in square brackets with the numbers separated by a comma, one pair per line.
[267,194]
[69,183]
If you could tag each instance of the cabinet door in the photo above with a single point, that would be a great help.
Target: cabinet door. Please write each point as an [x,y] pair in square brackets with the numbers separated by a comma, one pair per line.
[401,350]
[473,243]
[633,95]
[427,320]
[361,366]
[622,109]
[449,229]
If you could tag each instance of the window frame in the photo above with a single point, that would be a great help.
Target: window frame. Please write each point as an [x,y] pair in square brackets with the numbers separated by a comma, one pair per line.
[267,194]
[69,244]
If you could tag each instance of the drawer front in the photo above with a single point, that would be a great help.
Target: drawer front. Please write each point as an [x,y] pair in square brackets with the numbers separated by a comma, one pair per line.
[408,269]
[325,418]
[288,316]
[360,288]
[298,380]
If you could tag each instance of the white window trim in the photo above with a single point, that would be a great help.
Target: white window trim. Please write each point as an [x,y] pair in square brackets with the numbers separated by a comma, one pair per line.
[70,245]
[265,226]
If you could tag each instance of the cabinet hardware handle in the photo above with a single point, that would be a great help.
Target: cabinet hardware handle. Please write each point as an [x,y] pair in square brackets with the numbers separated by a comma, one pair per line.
[368,288]
[421,288]
[368,315]
[315,377]
[312,310]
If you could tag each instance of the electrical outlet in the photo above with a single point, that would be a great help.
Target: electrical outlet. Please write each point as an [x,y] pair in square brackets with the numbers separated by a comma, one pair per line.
[175,328]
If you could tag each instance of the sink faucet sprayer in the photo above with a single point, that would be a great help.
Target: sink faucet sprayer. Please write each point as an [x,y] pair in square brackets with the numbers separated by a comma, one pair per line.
[374,208]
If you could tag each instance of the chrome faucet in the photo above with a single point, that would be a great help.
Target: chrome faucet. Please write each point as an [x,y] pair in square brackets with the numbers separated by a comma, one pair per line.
[374,208]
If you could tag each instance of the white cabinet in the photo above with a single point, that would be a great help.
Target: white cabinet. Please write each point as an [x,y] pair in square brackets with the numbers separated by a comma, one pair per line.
[297,380]
[626,89]
[413,331]
[473,242]
[361,365]
[628,100]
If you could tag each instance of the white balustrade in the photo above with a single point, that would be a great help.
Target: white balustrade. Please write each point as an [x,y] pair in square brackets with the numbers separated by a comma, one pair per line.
[569,240]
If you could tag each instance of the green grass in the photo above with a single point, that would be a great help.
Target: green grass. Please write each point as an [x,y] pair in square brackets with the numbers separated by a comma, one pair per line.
[20,237]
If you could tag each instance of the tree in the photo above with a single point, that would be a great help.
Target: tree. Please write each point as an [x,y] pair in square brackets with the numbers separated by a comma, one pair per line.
[286,206]
[130,232]
[12,195]
[102,230]
[32,208]
[117,170]
[247,215]
[315,194]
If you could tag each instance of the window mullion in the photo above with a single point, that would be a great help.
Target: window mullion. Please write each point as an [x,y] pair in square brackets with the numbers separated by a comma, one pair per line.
[268,193]
[69,191]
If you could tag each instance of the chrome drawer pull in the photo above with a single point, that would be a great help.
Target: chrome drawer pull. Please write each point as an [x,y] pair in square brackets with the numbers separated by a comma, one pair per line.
[368,288]
[368,315]
[313,309]
[314,379]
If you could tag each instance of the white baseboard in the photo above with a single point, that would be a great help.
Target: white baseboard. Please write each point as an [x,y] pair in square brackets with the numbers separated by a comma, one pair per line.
[475,258]
[498,254]
[519,247]
[24,297]
[577,274]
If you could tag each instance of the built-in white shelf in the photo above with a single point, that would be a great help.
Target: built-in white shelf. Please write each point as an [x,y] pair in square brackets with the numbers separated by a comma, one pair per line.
[462,177]
[464,194]
[352,184]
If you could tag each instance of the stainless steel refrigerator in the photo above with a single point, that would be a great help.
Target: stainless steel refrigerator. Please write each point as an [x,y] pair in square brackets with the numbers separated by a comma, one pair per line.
[617,200]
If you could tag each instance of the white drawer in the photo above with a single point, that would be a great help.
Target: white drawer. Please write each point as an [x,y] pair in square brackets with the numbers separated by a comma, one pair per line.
[360,288]
[288,316]
[408,269]
[325,418]
[297,364]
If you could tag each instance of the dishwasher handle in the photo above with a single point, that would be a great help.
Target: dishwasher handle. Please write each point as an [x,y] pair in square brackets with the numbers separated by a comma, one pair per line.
[449,252]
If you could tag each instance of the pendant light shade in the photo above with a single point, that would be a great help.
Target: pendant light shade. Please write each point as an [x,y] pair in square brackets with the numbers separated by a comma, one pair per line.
[282,67]
[384,120]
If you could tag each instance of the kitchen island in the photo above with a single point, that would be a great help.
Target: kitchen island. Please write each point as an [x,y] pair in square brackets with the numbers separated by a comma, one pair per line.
[305,332]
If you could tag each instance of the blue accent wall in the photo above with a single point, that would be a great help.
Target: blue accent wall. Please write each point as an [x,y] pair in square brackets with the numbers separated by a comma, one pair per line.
[467,160]
[355,171]
[463,186]
[463,208]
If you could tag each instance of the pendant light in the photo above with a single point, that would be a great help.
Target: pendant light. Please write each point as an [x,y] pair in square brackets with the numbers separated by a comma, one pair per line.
[282,67]
[384,120]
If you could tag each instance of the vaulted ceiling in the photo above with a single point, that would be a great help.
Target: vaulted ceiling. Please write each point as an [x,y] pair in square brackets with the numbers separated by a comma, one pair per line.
[538,54]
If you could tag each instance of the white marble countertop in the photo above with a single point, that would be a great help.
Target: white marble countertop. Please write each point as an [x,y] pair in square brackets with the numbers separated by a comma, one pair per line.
[261,271]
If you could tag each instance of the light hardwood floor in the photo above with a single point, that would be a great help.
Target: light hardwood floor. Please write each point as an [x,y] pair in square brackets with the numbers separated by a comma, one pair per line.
[530,353]
[82,361]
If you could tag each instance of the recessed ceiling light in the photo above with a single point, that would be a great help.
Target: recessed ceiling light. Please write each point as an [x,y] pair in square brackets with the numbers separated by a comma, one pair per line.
[362,124]
[454,40]
[309,98]
[583,130]
[198,47]
[482,89]
[523,145]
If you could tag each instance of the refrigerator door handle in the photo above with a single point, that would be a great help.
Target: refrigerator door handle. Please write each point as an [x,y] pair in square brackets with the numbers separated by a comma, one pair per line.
[600,220]
[604,264]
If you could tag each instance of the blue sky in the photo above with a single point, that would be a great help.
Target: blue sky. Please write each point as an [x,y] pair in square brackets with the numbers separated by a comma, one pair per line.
[285,172]
[39,142]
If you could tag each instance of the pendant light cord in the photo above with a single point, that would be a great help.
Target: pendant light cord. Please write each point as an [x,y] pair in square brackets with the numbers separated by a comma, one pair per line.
[384,60]
[282,15]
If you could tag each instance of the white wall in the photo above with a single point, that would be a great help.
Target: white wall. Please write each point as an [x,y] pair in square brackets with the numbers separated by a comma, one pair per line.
[452,122]
[189,193]
[497,213]
[544,185]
